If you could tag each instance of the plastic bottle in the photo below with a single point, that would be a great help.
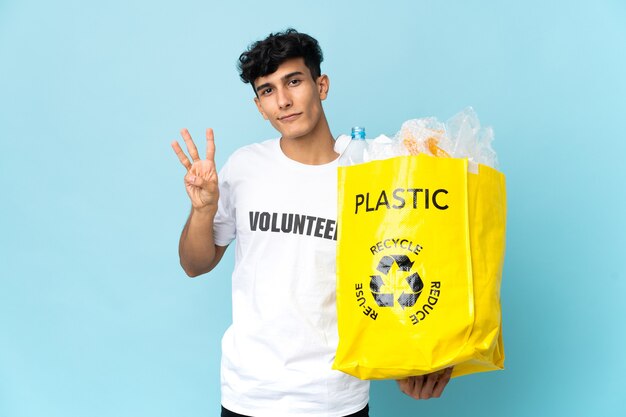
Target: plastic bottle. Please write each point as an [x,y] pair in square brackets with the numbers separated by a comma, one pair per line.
[356,151]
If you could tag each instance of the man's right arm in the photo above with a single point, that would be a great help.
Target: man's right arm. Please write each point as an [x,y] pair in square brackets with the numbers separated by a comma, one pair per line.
[197,250]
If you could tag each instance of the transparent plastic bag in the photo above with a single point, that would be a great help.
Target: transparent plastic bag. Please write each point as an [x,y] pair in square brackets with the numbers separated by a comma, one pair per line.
[460,137]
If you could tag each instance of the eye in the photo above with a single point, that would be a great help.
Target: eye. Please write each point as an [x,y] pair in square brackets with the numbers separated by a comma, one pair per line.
[266,91]
[295,81]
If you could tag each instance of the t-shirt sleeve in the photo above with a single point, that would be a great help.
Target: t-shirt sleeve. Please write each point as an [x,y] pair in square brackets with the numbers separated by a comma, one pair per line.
[224,225]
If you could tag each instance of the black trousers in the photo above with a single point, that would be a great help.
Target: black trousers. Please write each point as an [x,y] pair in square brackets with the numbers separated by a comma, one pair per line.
[363,413]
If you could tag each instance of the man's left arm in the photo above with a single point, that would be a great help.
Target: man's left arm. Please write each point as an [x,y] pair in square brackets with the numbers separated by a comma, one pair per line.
[426,386]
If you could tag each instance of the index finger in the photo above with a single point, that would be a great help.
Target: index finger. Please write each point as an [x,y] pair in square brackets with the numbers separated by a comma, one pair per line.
[181,155]
[210,145]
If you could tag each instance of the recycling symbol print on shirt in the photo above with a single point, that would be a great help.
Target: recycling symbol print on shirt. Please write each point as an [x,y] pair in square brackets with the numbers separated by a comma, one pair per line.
[396,282]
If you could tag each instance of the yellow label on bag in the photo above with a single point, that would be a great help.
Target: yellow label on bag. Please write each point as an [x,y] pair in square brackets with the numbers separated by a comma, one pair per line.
[404,266]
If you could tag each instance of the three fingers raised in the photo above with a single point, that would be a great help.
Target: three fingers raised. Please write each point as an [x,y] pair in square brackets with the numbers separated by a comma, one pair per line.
[191,148]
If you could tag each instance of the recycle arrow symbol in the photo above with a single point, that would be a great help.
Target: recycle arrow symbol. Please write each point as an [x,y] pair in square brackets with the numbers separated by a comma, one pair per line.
[416,284]
[383,300]
[403,262]
[414,281]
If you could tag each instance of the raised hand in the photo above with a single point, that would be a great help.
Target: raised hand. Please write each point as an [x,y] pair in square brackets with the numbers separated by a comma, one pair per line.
[201,177]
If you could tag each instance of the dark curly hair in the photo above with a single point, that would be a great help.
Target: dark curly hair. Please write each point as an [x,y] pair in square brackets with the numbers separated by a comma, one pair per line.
[265,56]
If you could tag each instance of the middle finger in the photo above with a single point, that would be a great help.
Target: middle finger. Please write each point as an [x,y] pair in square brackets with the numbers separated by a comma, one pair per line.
[191,147]
[427,389]
[418,382]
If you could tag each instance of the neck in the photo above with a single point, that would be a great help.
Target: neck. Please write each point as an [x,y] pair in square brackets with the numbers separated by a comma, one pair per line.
[315,148]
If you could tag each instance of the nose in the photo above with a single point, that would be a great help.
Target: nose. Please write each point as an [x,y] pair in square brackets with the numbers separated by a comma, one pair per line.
[284,99]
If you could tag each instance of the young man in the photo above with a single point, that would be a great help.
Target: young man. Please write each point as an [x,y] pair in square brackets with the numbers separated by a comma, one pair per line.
[278,200]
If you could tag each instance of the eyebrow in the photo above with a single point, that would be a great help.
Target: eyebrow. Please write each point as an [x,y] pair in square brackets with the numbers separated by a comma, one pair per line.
[284,78]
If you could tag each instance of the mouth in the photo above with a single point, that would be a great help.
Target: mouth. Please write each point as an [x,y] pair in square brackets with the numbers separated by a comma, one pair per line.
[289,117]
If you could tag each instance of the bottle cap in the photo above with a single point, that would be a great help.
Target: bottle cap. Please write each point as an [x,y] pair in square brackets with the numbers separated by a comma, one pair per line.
[358,132]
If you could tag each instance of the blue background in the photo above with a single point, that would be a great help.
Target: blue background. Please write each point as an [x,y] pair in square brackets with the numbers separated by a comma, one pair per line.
[98,319]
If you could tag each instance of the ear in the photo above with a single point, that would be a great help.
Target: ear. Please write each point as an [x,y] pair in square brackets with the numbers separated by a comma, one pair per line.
[323,85]
[259,107]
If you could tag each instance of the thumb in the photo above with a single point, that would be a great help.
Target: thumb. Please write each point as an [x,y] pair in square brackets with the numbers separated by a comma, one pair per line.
[194,180]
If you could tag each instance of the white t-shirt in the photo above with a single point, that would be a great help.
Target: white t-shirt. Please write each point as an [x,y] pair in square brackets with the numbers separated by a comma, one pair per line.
[277,354]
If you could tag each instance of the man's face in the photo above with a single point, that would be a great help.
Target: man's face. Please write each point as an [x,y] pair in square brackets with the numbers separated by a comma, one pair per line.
[291,100]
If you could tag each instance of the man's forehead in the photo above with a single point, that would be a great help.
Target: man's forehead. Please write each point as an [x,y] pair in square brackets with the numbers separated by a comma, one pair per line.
[289,66]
